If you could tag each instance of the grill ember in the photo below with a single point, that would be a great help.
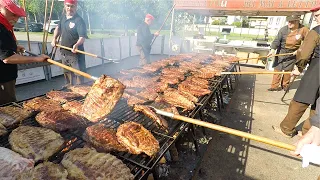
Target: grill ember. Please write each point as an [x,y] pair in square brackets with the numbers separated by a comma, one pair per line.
[126,128]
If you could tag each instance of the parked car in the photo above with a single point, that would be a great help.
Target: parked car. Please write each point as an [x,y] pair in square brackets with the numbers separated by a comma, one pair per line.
[35,27]
[52,26]
[19,27]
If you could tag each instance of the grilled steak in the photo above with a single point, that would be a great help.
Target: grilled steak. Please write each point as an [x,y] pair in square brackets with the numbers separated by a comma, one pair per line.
[176,99]
[132,100]
[45,171]
[158,87]
[10,115]
[3,130]
[62,96]
[42,104]
[149,95]
[80,89]
[103,96]
[12,164]
[74,107]
[88,164]
[60,120]
[161,122]
[185,94]
[35,143]
[103,138]
[137,139]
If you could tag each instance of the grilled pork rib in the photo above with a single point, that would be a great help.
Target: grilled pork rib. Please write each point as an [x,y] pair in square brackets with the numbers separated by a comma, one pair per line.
[10,115]
[137,139]
[102,98]
[88,164]
[42,104]
[74,107]
[62,96]
[176,99]
[103,138]
[35,143]
[12,164]
[80,89]
[60,120]
[152,115]
[43,171]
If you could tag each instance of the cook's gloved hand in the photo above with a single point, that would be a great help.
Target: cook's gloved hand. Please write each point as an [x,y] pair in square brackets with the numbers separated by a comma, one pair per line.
[271,53]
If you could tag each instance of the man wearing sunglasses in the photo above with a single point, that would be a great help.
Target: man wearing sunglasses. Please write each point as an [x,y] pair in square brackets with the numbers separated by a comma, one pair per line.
[308,90]
[73,33]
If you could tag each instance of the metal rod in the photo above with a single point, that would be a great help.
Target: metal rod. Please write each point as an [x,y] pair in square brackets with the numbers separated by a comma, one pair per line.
[287,90]
[165,20]
[45,22]
[86,75]
[27,26]
[86,53]
[260,57]
[227,130]
[170,37]
[49,22]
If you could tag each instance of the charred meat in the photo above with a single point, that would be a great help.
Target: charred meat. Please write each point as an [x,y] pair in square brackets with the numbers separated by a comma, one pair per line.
[35,142]
[176,99]
[103,138]
[60,120]
[102,98]
[3,130]
[86,163]
[137,139]
[74,107]
[195,90]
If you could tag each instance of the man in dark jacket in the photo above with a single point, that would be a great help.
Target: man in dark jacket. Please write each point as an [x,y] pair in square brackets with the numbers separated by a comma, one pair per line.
[10,12]
[144,39]
[307,92]
[73,33]
[288,40]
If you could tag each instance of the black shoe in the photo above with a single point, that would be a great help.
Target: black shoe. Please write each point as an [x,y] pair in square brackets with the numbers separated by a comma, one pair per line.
[275,89]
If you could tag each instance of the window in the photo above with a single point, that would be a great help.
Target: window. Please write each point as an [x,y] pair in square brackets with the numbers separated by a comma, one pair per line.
[278,21]
[270,21]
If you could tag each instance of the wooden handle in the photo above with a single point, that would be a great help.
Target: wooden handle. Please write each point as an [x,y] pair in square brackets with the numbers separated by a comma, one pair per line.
[255,73]
[260,57]
[227,130]
[236,132]
[72,69]
[78,51]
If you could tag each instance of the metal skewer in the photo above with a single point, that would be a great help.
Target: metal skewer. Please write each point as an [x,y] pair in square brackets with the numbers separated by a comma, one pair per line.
[89,54]
[260,57]
[226,130]
[272,72]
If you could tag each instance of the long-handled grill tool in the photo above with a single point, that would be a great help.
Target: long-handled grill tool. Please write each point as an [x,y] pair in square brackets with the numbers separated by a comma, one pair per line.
[86,75]
[263,72]
[288,88]
[154,39]
[260,57]
[89,54]
[226,130]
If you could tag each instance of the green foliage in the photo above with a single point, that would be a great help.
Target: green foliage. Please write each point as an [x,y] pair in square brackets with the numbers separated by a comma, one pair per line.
[237,24]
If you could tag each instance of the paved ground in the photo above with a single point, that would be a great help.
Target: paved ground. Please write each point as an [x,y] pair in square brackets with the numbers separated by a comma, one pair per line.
[251,109]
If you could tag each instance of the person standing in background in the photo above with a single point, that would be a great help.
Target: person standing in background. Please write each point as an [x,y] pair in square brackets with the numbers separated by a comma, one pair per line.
[288,40]
[73,33]
[144,39]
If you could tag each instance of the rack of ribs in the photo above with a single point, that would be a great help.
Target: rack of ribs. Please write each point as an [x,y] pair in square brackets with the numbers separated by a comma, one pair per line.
[10,115]
[35,142]
[80,89]
[60,120]
[87,163]
[102,98]
[161,122]
[46,170]
[137,139]
[103,138]
[62,96]
[195,90]
[176,99]
[42,104]
[74,107]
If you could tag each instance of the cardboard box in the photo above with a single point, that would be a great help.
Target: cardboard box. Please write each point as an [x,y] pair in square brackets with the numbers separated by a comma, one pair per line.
[242,55]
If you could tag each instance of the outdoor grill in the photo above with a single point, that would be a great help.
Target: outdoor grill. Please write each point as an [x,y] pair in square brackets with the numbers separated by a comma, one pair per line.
[140,165]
